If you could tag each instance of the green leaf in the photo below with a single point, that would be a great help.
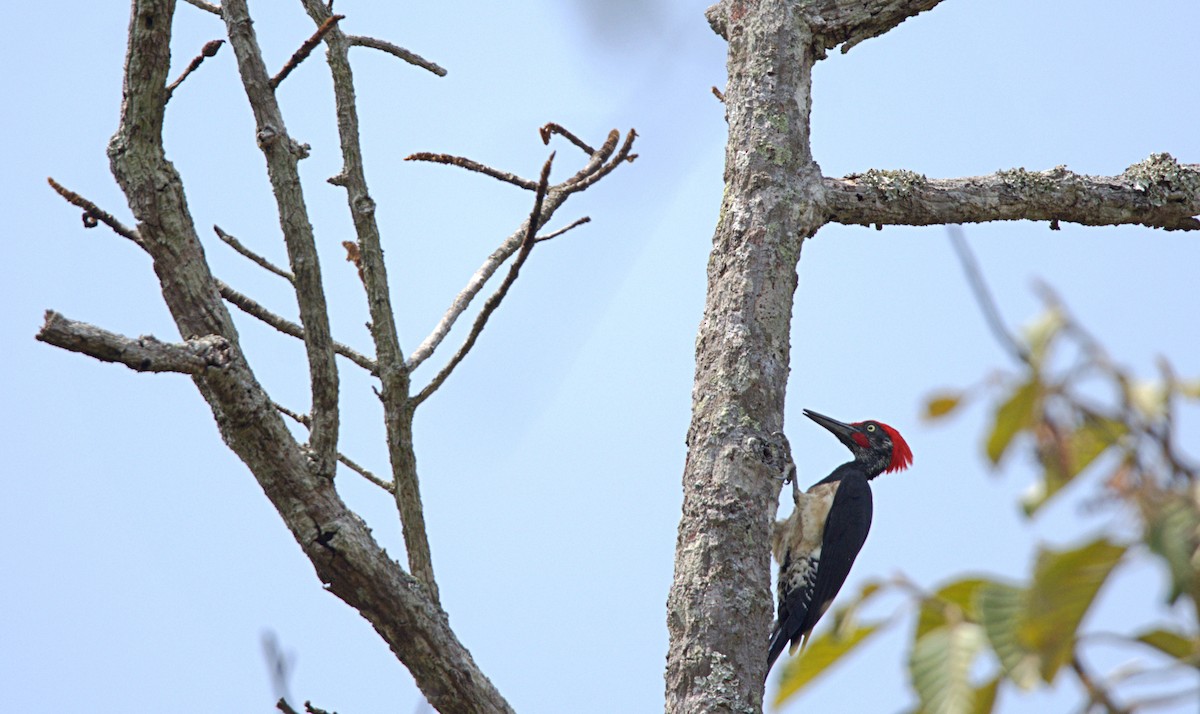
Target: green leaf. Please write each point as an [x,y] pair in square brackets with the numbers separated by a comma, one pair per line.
[1012,417]
[940,665]
[939,405]
[1001,608]
[959,595]
[1173,533]
[1172,644]
[1065,459]
[821,653]
[1064,585]
[985,697]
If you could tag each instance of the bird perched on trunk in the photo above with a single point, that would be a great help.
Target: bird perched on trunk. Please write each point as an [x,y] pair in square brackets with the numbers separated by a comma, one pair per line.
[818,543]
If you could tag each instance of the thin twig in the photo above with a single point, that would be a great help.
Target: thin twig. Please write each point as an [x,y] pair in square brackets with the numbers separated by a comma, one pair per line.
[93,213]
[306,422]
[305,49]
[560,231]
[255,257]
[254,309]
[470,165]
[206,6]
[551,128]
[209,50]
[397,51]
[1096,691]
[719,95]
[982,296]
[494,300]
[586,178]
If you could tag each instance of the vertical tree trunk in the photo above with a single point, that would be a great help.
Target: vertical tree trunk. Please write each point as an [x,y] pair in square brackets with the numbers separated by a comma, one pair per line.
[719,607]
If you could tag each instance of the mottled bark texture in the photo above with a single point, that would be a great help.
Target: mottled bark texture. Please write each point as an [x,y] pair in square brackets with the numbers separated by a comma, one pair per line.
[344,554]
[719,608]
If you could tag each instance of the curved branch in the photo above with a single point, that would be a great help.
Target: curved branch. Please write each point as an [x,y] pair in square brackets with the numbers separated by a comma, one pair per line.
[1158,192]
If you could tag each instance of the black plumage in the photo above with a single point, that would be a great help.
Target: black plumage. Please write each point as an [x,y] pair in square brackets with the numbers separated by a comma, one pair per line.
[817,544]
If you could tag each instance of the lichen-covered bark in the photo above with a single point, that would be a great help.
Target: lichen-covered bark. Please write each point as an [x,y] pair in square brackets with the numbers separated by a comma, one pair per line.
[720,604]
[344,554]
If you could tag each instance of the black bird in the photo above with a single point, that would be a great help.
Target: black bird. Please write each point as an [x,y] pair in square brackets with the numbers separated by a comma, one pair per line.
[818,543]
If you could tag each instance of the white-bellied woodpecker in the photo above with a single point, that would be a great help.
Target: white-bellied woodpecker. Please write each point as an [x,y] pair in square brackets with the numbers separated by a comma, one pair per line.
[818,543]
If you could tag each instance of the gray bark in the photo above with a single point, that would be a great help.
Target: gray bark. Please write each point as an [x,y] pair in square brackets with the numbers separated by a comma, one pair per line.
[719,608]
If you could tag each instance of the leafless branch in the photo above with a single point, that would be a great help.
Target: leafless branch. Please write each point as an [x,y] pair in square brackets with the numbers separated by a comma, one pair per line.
[497,297]
[839,22]
[93,213]
[1158,192]
[550,129]
[306,49]
[983,296]
[719,95]
[1096,691]
[282,155]
[470,165]
[393,372]
[305,421]
[254,257]
[554,234]
[397,51]
[209,50]
[141,354]
[248,305]
[206,6]
[556,195]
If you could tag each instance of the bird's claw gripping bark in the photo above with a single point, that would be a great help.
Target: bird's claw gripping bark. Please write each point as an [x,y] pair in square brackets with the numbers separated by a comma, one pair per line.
[787,468]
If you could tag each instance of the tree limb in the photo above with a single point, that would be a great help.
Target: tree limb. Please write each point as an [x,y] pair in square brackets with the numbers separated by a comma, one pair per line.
[283,155]
[337,542]
[396,51]
[254,309]
[392,371]
[1158,192]
[93,213]
[238,246]
[141,354]
[497,297]
[836,22]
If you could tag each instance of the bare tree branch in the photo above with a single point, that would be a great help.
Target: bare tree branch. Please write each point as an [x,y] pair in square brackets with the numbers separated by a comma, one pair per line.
[556,195]
[554,234]
[254,257]
[283,154]
[1158,192]
[306,49]
[497,297]
[550,129]
[209,50]
[255,309]
[397,51]
[93,213]
[393,372]
[337,542]
[470,165]
[838,22]
[206,6]
[306,422]
[141,354]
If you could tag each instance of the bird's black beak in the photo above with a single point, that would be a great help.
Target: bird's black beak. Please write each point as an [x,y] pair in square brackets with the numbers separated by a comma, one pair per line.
[844,432]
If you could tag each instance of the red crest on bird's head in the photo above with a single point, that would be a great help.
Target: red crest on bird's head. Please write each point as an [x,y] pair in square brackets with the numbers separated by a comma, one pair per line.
[901,454]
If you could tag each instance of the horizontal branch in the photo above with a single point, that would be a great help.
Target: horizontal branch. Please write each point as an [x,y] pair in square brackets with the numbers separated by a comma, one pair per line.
[396,51]
[471,165]
[1158,192]
[142,354]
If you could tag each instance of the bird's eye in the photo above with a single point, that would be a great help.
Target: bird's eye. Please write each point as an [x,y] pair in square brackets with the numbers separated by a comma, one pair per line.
[870,427]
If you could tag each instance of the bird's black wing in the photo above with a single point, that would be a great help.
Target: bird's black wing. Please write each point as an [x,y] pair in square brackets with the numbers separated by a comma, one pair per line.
[846,530]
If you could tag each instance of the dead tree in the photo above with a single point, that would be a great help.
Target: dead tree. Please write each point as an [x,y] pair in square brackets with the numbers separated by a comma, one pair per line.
[719,609]
[401,604]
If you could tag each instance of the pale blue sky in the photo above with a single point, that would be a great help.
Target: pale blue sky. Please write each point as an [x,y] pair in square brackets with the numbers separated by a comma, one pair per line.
[143,562]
